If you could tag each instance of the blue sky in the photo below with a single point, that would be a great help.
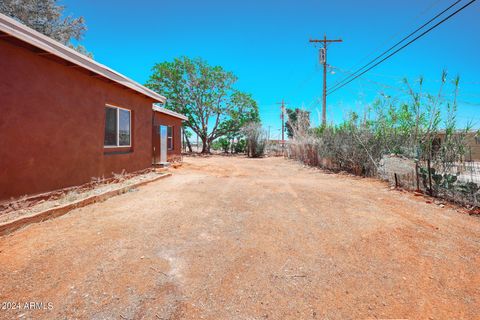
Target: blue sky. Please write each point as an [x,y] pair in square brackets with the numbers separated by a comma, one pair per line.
[265,43]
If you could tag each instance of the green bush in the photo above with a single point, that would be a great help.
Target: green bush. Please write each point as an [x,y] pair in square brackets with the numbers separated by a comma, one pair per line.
[216,145]
[240,146]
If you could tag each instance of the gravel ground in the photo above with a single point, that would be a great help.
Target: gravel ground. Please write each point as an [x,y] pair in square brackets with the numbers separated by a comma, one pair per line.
[23,207]
[237,238]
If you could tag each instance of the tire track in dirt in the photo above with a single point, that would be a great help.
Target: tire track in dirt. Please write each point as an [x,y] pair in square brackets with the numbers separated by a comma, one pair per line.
[237,238]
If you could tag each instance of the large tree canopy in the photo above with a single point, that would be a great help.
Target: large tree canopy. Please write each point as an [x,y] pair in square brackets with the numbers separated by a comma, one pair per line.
[205,94]
[45,16]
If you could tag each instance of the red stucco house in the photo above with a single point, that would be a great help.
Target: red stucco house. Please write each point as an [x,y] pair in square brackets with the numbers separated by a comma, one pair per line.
[170,141]
[65,118]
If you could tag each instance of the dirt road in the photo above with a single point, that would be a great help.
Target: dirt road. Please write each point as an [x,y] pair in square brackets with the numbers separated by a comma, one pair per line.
[236,238]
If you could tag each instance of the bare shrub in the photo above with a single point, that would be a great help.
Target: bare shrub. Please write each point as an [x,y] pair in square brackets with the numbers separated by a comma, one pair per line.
[97,180]
[422,129]
[71,196]
[256,139]
[120,177]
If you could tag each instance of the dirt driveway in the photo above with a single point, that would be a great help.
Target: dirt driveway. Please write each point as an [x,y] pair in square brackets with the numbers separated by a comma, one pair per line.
[236,238]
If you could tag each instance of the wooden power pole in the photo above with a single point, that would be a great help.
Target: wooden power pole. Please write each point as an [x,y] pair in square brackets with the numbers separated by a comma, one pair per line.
[282,116]
[323,60]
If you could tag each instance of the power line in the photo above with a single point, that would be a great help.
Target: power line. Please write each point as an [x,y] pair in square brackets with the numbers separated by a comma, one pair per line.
[405,91]
[395,45]
[384,85]
[370,54]
[401,79]
[338,86]
[476,104]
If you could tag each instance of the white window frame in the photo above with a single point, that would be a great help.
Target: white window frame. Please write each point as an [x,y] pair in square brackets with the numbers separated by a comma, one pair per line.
[118,127]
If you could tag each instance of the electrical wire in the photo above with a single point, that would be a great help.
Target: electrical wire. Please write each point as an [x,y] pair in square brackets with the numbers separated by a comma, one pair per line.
[396,44]
[385,86]
[372,52]
[403,91]
[402,47]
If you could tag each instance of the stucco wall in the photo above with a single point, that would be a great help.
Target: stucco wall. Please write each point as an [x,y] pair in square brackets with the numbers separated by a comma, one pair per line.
[176,123]
[52,125]
[473,148]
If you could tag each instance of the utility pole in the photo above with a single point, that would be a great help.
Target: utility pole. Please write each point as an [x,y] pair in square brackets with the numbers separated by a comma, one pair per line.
[282,116]
[323,60]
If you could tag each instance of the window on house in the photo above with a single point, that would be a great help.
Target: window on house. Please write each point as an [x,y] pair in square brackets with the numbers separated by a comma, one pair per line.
[110,127]
[117,127]
[170,138]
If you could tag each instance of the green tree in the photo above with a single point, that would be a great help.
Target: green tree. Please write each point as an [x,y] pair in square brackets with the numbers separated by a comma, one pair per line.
[45,16]
[298,120]
[205,94]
